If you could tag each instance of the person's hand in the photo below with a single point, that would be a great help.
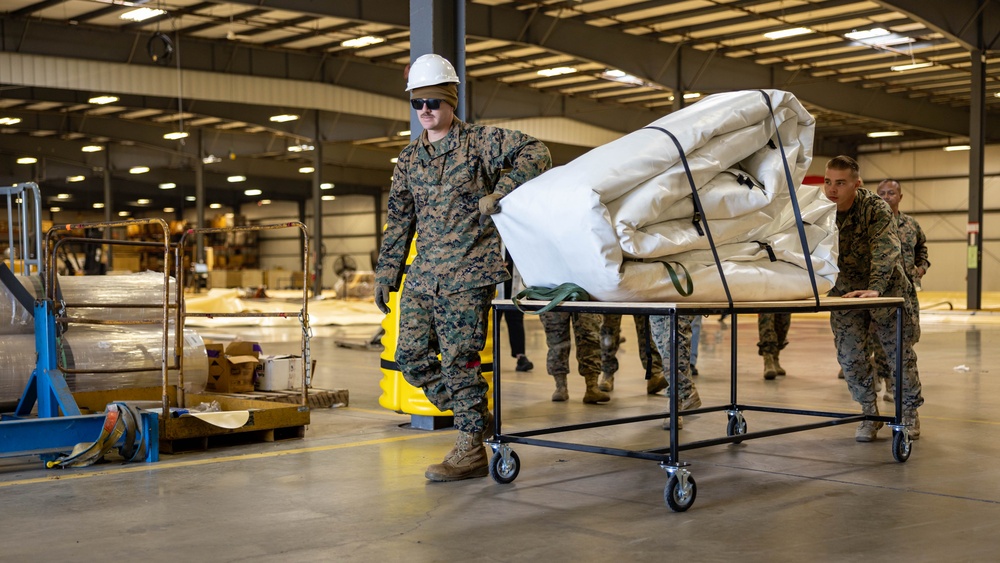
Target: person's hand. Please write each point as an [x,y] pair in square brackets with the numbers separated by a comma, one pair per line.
[489,204]
[382,297]
[862,294]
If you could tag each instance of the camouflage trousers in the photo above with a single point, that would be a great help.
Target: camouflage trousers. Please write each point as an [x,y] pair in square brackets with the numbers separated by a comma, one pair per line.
[586,331]
[772,332]
[880,362]
[660,329]
[453,325]
[611,337]
[852,332]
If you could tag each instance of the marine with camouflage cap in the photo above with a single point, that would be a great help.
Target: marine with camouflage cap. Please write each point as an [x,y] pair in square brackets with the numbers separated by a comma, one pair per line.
[870,265]
[444,181]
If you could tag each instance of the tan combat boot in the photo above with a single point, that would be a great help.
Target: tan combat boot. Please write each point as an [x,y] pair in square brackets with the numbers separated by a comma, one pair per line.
[594,394]
[562,392]
[607,382]
[777,366]
[868,429]
[912,419]
[770,366]
[466,460]
[656,384]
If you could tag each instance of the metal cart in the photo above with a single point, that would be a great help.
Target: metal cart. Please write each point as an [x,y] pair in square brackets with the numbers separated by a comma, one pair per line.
[681,490]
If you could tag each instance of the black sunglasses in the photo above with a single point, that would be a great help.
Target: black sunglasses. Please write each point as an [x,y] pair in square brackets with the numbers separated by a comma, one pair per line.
[432,103]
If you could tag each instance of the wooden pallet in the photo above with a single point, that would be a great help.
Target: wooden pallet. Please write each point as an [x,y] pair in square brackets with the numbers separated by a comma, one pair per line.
[199,443]
[318,398]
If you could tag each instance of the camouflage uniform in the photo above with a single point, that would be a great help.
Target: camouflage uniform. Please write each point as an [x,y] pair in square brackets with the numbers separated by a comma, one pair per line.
[586,328]
[611,337]
[913,245]
[435,191]
[772,330]
[660,329]
[870,260]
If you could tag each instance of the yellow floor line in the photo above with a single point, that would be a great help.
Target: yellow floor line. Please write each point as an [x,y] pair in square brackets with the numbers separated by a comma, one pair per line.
[63,475]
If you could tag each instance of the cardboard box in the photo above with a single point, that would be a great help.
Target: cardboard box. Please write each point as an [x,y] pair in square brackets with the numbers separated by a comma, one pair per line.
[232,370]
[251,278]
[280,373]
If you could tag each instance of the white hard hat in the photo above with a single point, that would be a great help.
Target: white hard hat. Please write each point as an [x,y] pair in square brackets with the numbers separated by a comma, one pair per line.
[429,70]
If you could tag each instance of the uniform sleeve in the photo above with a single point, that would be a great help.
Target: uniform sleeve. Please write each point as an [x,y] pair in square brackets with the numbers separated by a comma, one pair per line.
[401,225]
[885,253]
[525,157]
[920,248]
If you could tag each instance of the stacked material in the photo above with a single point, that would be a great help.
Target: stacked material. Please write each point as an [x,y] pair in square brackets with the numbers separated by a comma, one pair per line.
[610,220]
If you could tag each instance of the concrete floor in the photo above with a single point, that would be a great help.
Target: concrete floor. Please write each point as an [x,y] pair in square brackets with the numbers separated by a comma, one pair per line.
[353,488]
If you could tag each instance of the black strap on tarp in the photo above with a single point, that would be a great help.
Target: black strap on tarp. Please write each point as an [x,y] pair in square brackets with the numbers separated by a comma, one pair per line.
[16,289]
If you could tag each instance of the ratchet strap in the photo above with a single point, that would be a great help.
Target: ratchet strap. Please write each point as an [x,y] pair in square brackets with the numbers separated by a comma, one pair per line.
[554,296]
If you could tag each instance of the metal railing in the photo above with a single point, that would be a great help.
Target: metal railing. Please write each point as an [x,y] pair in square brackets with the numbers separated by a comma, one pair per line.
[24,227]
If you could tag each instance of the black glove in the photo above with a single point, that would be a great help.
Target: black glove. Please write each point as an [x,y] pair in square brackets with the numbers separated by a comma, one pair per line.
[382,297]
[488,204]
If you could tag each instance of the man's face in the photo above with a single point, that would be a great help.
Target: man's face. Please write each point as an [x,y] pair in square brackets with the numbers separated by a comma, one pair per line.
[891,193]
[436,119]
[841,187]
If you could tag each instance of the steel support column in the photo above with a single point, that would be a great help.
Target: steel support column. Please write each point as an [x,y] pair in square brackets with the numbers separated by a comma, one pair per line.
[977,141]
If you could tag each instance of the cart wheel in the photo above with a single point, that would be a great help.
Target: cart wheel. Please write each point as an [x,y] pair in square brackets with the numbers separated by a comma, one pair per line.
[901,447]
[680,497]
[504,466]
[737,426]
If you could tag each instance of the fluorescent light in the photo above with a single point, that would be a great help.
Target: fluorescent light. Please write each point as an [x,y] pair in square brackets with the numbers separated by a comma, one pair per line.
[92,148]
[211,159]
[394,160]
[265,202]
[622,76]
[953,148]
[142,201]
[175,135]
[692,95]
[9,120]
[168,209]
[98,205]
[63,196]
[328,197]
[102,100]
[866,34]
[300,148]
[306,170]
[77,178]
[252,192]
[141,14]
[27,160]
[168,186]
[123,213]
[283,117]
[406,133]
[911,66]
[326,186]
[138,170]
[557,71]
[190,198]
[362,41]
[215,206]
[234,179]
[880,134]
[792,32]
[55,209]
[996,94]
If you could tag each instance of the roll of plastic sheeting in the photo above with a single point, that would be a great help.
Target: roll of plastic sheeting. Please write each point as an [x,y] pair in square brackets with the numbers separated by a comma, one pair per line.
[143,288]
[609,220]
[100,347]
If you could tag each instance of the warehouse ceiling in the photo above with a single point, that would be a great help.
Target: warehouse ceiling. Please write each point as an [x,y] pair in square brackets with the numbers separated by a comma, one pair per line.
[575,73]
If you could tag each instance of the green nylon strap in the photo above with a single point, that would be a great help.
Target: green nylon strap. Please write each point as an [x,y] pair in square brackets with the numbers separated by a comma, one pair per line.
[554,295]
[677,283]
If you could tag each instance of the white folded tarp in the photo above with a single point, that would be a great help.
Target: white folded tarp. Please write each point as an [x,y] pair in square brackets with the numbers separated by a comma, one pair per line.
[610,219]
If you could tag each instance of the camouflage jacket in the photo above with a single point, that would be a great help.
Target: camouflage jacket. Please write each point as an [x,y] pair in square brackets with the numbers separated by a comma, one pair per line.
[436,193]
[869,249]
[913,244]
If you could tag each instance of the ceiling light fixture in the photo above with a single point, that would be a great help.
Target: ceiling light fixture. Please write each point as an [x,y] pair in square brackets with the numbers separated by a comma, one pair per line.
[265,202]
[953,148]
[394,160]
[168,209]
[55,209]
[880,134]
[283,117]
[102,100]
[168,186]
[867,34]
[124,213]
[326,186]
[623,77]
[557,71]
[175,135]
[211,159]
[792,32]
[142,14]
[911,66]
[252,192]
[190,198]
[142,201]
[215,206]
[77,178]
[98,205]
[692,95]
[306,170]
[9,120]
[364,41]
[27,160]
[404,133]
[300,148]
[328,197]
[63,196]
[92,148]
[234,179]
[138,170]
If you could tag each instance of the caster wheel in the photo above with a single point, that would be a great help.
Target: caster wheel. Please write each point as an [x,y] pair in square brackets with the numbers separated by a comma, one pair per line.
[504,466]
[900,447]
[737,426]
[680,497]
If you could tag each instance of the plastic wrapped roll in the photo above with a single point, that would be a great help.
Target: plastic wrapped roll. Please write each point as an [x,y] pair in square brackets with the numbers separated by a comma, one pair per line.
[101,347]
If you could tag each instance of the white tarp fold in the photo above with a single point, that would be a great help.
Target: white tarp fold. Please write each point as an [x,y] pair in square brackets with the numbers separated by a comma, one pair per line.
[608,220]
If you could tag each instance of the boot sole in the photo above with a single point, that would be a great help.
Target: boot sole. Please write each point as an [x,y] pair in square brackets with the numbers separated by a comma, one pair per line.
[438,478]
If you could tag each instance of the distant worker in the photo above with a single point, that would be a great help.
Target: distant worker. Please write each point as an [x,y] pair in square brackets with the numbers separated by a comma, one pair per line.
[443,182]
[610,341]
[687,393]
[772,331]
[586,329]
[913,245]
[515,318]
[871,265]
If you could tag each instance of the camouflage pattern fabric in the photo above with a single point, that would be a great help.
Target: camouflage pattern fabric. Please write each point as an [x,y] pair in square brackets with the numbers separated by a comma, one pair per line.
[660,329]
[455,326]
[914,246]
[611,338]
[436,192]
[772,332]
[870,258]
[586,331]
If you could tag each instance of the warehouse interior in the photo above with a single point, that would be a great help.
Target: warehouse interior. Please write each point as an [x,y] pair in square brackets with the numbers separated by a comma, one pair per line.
[233,115]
